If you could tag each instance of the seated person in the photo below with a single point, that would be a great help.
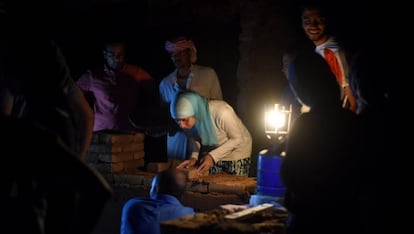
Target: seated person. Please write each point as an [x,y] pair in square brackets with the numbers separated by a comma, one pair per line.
[143,215]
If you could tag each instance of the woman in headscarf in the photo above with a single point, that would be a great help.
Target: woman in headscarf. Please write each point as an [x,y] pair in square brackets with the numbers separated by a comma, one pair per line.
[219,140]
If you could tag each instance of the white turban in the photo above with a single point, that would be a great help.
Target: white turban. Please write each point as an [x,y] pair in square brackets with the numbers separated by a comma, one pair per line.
[173,47]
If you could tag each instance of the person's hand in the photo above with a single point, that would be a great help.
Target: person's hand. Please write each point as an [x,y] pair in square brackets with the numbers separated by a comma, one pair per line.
[206,163]
[350,99]
[187,163]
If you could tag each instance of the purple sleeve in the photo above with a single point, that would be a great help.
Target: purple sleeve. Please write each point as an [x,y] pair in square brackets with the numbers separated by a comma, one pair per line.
[84,82]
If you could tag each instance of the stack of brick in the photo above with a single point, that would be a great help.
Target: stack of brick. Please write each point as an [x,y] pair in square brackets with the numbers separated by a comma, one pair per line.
[114,153]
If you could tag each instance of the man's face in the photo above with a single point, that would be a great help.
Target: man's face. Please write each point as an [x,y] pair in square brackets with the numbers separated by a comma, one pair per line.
[314,25]
[114,56]
[181,59]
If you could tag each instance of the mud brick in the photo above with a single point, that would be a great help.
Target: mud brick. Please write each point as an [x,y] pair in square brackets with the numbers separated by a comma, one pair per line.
[198,187]
[223,183]
[139,137]
[122,157]
[133,147]
[155,167]
[121,139]
[117,167]
[239,188]
[139,154]
[132,166]
[192,173]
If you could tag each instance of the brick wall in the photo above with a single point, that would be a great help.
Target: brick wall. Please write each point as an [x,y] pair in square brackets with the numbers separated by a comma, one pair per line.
[113,154]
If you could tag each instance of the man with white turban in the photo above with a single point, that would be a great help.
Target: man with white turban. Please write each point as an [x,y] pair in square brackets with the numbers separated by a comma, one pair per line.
[186,76]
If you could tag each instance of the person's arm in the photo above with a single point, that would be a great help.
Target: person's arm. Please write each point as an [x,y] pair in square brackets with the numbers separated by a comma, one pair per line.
[193,147]
[350,99]
[83,117]
[137,72]
[230,123]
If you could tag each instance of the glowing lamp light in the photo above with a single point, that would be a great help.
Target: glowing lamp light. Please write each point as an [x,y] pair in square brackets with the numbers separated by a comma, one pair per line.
[277,121]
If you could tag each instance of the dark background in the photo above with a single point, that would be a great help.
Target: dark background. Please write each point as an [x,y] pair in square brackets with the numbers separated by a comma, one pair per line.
[80,27]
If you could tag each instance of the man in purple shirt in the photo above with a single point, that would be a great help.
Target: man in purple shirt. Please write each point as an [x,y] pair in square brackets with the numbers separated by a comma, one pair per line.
[116,90]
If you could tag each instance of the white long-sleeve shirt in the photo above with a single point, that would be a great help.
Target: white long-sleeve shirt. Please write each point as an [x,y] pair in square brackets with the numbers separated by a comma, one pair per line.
[234,140]
[334,46]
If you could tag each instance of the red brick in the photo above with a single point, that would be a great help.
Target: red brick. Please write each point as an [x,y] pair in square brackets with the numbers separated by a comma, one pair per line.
[122,156]
[197,187]
[155,167]
[133,147]
[139,154]
[239,189]
[121,138]
[192,173]
[224,183]
[139,137]
[132,166]
[117,167]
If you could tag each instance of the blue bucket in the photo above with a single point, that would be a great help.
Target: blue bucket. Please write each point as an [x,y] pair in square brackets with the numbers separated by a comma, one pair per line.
[268,179]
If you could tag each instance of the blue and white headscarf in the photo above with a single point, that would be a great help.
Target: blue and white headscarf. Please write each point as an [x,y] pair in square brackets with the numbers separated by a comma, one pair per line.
[187,104]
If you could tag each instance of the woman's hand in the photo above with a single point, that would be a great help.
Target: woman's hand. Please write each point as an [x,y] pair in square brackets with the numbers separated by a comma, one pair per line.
[187,163]
[206,163]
